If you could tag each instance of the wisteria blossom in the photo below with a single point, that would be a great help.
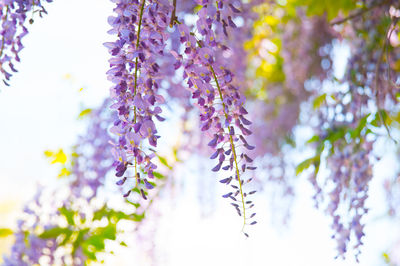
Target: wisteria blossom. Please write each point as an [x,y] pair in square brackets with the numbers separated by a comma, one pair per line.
[14,17]
[140,27]
[221,103]
[347,128]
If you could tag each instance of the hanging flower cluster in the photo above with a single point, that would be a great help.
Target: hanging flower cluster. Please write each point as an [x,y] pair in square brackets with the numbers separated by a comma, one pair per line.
[92,153]
[233,56]
[350,178]
[221,103]
[13,16]
[350,121]
[140,27]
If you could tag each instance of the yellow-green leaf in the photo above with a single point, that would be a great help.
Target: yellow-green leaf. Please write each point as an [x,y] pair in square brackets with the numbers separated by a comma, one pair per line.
[197,8]
[48,153]
[64,172]
[85,112]
[319,101]
[53,232]
[307,163]
[59,157]
[164,161]
[313,139]
[386,257]
[4,232]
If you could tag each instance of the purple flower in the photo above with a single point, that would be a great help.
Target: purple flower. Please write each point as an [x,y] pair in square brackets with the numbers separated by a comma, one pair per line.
[13,16]
[135,72]
[211,83]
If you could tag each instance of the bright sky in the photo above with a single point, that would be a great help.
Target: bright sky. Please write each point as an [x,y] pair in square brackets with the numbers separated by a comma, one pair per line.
[64,53]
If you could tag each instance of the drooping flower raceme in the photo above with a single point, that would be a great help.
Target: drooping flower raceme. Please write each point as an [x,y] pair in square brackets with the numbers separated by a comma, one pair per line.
[13,15]
[92,154]
[349,125]
[231,10]
[220,102]
[140,27]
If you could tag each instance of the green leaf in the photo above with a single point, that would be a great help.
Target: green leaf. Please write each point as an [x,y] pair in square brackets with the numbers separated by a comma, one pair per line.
[336,134]
[361,125]
[152,183]
[379,116]
[91,255]
[136,190]
[318,101]
[197,8]
[398,96]
[313,139]
[112,215]
[158,175]
[137,205]
[67,237]
[48,153]
[386,257]
[108,232]
[85,112]
[329,7]
[4,232]
[307,163]
[68,214]
[64,172]
[53,232]
[59,157]
[79,239]
[97,241]
[97,215]
[119,215]
[137,217]
[290,141]
[175,151]
[164,161]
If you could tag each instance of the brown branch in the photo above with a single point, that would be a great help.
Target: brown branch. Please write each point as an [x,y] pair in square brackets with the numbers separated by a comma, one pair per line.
[359,13]
[393,27]
[377,83]
[173,15]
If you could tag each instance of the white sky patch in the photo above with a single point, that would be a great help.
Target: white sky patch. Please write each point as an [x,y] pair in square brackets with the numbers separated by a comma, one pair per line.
[341,54]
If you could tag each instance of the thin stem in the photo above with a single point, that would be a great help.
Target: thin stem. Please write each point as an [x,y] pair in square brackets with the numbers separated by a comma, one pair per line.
[137,46]
[230,138]
[173,15]
[232,146]
[136,72]
[376,86]
[393,27]
[359,13]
